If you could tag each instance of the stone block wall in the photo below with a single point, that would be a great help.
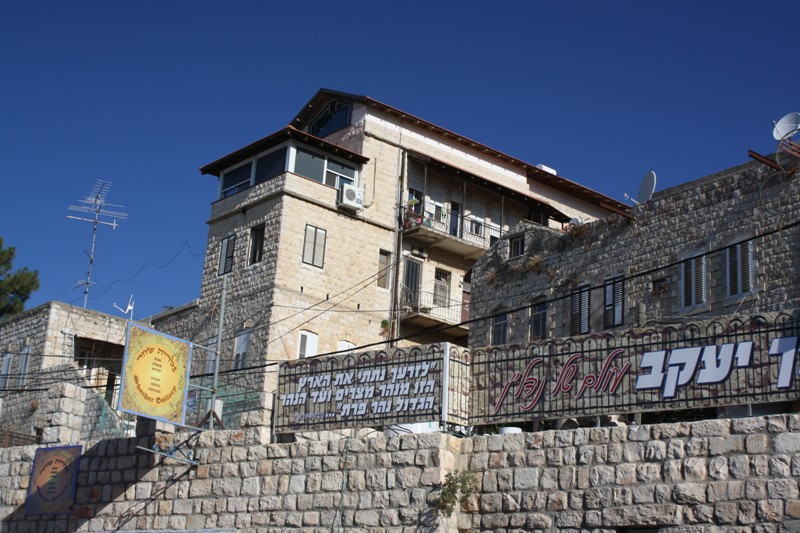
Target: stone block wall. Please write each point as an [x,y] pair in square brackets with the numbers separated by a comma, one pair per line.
[711,476]
[704,216]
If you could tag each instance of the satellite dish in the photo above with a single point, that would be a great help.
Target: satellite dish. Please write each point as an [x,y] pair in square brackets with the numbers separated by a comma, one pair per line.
[646,188]
[787,126]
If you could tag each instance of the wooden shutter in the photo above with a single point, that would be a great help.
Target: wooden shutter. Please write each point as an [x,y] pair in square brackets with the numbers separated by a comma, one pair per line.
[746,258]
[579,311]
[226,254]
[739,260]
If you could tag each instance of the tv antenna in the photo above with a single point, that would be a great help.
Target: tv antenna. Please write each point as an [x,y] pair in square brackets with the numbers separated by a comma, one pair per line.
[95,206]
[646,189]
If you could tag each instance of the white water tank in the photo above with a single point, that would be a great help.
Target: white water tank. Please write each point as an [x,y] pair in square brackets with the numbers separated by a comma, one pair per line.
[547,169]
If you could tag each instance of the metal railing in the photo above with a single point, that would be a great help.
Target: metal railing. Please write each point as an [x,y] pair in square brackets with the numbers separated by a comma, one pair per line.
[431,303]
[10,438]
[470,229]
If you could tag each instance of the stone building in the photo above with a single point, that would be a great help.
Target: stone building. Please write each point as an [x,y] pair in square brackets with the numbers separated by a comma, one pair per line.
[723,245]
[57,344]
[354,224]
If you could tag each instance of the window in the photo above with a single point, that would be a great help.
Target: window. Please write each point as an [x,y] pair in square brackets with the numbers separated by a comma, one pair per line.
[441,288]
[538,324]
[240,350]
[693,272]
[345,346]
[499,329]
[314,246]
[579,311]
[384,264]
[335,116]
[237,179]
[6,370]
[338,174]
[270,165]
[739,268]
[256,244]
[227,246]
[319,168]
[517,246]
[308,344]
[24,363]
[614,302]
[475,226]
[415,201]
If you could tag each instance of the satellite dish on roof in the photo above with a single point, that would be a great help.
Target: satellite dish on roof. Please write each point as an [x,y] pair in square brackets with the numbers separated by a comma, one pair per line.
[646,189]
[787,153]
[787,126]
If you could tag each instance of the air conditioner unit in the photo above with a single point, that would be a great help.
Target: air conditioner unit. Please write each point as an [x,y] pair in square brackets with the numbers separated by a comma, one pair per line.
[351,197]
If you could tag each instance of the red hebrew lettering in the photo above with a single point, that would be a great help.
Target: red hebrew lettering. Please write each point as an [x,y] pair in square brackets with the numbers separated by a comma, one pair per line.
[531,387]
[566,376]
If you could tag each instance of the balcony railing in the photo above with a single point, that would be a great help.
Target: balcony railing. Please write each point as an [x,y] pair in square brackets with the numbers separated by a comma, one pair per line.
[435,305]
[470,229]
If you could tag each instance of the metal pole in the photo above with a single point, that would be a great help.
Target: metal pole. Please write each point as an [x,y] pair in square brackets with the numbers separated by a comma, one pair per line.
[213,409]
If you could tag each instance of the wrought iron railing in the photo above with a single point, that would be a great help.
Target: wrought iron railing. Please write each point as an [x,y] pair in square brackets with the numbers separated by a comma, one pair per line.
[435,304]
[470,229]
[10,438]
[654,369]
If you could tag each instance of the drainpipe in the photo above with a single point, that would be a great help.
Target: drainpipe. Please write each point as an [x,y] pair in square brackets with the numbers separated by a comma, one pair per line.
[394,328]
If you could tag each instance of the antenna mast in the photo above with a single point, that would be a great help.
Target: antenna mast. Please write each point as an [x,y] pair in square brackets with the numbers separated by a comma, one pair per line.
[95,205]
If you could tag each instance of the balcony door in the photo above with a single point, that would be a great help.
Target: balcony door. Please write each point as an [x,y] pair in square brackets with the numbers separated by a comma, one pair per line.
[441,288]
[411,283]
[455,219]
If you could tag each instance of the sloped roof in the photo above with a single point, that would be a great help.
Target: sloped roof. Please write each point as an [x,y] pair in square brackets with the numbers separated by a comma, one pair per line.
[323,96]
[289,132]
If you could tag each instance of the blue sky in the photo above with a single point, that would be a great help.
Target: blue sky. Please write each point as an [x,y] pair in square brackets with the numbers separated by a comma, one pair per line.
[144,93]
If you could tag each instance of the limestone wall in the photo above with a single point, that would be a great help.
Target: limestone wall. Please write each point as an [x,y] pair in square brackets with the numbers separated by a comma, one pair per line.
[746,203]
[712,476]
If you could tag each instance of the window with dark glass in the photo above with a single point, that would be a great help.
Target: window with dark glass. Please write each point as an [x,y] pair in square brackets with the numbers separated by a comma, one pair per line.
[310,165]
[270,165]
[256,244]
[579,311]
[314,246]
[415,201]
[334,117]
[612,308]
[237,179]
[517,246]
[538,321]
[499,329]
[338,174]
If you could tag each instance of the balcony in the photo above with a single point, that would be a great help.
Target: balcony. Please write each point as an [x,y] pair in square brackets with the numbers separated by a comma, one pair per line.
[462,235]
[434,310]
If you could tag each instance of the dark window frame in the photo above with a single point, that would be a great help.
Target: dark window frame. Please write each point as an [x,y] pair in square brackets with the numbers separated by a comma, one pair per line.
[257,239]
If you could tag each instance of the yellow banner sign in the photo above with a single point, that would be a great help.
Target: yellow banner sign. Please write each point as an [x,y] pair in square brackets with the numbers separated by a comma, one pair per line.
[155,375]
